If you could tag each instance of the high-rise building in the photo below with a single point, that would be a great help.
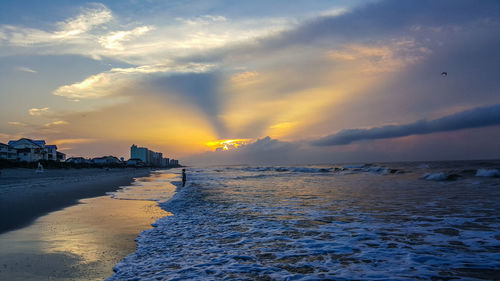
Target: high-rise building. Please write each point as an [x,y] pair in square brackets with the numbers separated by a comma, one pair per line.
[140,153]
[148,157]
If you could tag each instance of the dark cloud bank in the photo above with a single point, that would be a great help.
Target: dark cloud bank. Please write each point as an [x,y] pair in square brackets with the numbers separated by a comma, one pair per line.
[474,118]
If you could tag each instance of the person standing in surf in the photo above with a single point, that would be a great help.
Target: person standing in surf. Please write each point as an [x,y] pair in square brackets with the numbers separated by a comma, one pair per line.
[183,177]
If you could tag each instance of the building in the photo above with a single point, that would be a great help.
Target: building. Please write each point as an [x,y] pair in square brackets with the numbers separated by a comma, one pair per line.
[78,160]
[148,157]
[140,153]
[135,162]
[106,160]
[29,150]
[35,150]
[165,162]
[61,157]
[156,158]
[174,162]
[8,152]
[51,152]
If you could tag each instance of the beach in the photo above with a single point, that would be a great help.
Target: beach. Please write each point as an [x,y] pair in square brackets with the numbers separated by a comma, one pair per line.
[26,195]
[404,221]
[64,237]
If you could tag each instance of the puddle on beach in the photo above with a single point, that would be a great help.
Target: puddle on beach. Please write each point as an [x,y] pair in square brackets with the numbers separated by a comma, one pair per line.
[81,242]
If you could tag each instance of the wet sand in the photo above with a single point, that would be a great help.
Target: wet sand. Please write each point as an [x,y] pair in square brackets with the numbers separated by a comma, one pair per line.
[80,242]
[26,195]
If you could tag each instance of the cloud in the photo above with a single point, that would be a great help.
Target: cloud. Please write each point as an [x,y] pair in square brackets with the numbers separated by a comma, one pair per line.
[95,86]
[26,69]
[113,40]
[38,111]
[280,77]
[263,150]
[96,33]
[474,118]
[16,123]
[72,141]
[96,14]
[71,29]
[244,76]
[115,80]
[55,123]
[381,56]
[202,20]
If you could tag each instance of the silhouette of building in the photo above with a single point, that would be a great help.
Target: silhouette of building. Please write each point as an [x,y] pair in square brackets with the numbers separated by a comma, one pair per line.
[7,152]
[78,160]
[148,157]
[139,153]
[106,160]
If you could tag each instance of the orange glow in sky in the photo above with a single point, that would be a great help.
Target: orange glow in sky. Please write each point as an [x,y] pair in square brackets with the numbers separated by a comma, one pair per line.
[227,144]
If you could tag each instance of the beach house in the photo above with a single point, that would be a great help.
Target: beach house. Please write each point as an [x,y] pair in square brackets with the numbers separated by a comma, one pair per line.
[29,150]
[78,160]
[7,152]
[106,160]
[35,150]
[61,157]
[51,152]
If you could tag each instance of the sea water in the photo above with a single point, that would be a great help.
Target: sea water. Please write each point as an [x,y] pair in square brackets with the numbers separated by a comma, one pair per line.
[396,221]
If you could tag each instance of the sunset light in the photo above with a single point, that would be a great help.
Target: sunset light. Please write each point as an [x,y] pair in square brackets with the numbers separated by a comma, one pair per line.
[249,140]
[227,144]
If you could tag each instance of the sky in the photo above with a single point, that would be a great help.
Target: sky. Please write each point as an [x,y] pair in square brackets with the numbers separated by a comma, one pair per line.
[254,82]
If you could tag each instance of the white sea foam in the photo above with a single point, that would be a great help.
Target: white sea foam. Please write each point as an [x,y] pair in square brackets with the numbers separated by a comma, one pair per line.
[487,173]
[287,169]
[377,170]
[309,226]
[435,176]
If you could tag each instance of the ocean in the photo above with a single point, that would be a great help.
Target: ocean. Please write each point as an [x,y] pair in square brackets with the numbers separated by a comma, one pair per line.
[389,221]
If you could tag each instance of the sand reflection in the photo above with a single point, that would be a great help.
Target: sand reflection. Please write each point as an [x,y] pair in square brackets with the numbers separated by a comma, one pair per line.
[81,242]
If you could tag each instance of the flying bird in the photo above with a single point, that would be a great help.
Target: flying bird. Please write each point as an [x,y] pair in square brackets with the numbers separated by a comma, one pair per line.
[444,73]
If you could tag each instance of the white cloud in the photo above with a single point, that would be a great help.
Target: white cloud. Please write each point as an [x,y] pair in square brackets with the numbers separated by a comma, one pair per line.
[95,86]
[26,69]
[96,33]
[73,29]
[91,17]
[202,20]
[38,111]
[113,40]
[333,12]
[56,123]
[105,83]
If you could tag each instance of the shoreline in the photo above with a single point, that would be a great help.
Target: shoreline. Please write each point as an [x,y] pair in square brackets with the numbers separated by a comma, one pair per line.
[80,242]
[26,195]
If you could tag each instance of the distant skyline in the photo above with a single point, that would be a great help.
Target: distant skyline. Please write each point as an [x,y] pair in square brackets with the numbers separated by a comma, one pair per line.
[254,81]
